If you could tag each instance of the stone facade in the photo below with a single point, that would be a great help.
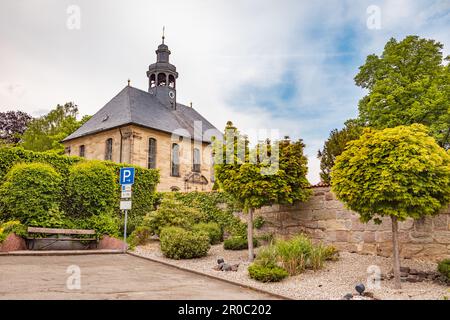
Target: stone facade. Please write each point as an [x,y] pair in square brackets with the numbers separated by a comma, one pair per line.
[130,145]
[326,219]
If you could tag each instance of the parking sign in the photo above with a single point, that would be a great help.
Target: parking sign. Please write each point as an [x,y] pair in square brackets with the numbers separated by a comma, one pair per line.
[126,176]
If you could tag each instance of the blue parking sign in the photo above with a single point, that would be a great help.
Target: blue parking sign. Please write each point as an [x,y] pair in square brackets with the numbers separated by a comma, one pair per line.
[126,176]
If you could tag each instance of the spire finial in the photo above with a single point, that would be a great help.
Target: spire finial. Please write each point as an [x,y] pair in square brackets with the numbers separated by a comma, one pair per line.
[163,37]
[129,82]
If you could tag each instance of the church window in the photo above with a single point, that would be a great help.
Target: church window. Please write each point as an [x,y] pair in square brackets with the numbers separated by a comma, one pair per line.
[196,160]
[153,80]
[175,158]
[109,147]
[82,150]
[151,153]
[171,81]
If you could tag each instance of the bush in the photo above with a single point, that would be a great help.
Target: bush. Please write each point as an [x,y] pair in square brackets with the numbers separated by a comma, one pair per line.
[13,226]
[31,194]
[258,223]
[92,189]
[444,268]
[208,203]
[172,212]
[238,243]
[139,236]
[178,243]
[266,273]
[212,229]
[104,224]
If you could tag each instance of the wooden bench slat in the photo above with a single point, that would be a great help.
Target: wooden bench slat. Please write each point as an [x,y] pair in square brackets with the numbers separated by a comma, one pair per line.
[59,231]
[65,239]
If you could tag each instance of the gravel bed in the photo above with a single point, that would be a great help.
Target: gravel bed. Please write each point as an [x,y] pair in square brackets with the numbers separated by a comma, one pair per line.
[335,280]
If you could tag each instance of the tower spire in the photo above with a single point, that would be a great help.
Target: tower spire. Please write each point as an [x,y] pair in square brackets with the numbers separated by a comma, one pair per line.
[163,37]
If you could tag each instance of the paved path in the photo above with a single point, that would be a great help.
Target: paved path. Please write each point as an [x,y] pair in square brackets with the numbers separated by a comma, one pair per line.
[111,276]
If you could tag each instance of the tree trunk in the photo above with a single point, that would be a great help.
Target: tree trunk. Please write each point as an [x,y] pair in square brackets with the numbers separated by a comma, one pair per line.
[397,281]
[251,254]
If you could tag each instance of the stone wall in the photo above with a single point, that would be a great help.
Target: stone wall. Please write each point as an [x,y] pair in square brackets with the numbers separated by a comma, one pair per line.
[325,218]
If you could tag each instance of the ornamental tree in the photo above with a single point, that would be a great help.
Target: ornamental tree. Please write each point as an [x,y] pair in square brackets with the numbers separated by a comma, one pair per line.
[398,172]
[408,83]
[270,173]
[12,126]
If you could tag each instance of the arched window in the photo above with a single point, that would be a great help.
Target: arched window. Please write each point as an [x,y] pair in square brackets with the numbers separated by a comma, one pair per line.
[162,79]
[175,165]
[82,150]
[109,149]
[196,160]
[151,153]
[152,80]
[171,81]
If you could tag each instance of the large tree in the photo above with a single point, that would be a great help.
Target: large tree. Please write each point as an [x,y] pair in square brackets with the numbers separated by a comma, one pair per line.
[45,133]
[397,172]
[335,145]
[270,173]
[409,83]
[12,126]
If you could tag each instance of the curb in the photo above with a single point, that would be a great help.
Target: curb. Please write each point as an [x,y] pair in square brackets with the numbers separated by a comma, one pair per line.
[59,253]
[246,286]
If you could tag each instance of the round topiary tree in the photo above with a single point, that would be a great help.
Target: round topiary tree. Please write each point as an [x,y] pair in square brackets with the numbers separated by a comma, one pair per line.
[31,194]
[399,172]
[91,189]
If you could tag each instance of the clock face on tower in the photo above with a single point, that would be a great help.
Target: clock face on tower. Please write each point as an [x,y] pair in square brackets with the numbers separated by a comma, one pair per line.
[171,94]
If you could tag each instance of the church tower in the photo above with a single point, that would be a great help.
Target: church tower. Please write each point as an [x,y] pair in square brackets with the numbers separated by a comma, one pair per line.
[162,77]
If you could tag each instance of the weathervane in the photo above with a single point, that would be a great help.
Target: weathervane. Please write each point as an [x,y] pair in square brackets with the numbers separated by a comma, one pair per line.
[164,28]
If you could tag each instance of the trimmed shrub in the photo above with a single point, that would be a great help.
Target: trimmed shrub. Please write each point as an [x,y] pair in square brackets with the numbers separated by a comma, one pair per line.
[139,236]
[217,206]
[178,243]
[172,212]
[258,223]
[238,243]
[266,273]
[31,194]
[444,268]
[13,226]
[212,229]
[92,189]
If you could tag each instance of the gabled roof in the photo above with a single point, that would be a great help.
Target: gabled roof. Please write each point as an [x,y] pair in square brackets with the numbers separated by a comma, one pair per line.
[135,106]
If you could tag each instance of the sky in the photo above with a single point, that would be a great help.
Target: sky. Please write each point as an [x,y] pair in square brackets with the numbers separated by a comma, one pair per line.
[274,67]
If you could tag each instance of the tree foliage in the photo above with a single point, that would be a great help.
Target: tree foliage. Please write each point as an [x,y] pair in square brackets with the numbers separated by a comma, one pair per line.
[45,133]
[12,126]
[398,172]
[409,83]
[335,145]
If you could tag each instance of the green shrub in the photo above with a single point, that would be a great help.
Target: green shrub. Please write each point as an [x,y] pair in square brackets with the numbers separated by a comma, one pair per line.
[13,226]
[258,223]
[31,194]
[238,243]
[92,189]
[266,273]
[172,212]
[217,206]
[444,268]
[104,224]
[212,229]
[178,243]
[139,236]
[267,257]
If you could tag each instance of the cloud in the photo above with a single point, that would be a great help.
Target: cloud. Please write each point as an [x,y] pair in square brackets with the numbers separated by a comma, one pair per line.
[286,65]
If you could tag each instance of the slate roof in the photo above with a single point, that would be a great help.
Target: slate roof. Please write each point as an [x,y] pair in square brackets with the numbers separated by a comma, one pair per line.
[135,106]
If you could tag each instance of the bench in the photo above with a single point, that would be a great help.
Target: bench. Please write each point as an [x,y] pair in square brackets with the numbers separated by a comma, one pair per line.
[61,235]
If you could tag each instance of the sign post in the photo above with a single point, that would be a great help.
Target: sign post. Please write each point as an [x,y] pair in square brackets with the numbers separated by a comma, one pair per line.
[126,181]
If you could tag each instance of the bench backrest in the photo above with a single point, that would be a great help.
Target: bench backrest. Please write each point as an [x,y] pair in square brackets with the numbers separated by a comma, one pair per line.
[59,231]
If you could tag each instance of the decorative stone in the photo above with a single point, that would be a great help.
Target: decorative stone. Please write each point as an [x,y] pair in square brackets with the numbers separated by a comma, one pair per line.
[13,243]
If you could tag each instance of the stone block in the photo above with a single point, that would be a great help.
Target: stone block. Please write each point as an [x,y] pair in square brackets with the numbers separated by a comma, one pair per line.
[410,250]
[369,237]
[357,225]
[345,246]
[108,242]
[323,214]
[406,225]
[343,214]
[356,236]
[342,236]
[329,196]
[440,222]
[383,236]
[335,224]
[420,237]
[13,243]
[442,237]
[384,249]
[435,251]
[423,225]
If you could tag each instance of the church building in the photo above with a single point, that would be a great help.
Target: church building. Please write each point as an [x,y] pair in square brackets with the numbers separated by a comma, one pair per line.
[152,130]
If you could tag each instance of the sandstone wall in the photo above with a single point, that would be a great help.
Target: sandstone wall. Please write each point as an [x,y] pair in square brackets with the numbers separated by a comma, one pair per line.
[325,218]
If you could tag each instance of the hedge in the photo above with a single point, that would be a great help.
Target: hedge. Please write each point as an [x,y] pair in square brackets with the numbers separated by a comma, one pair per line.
[146,180]
[31,194]
[178,243]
